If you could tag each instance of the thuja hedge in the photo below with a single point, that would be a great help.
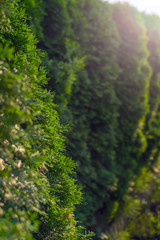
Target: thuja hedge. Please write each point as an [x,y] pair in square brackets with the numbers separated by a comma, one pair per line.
[36,187]
[113,108]
[108,109]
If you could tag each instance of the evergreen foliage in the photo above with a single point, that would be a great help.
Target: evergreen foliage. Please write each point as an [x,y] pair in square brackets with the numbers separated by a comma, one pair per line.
[152,124]
[35,174]
[132,90]
[107,102]
[93,107]
[20,186]
[63,61]
[102,64]
[139,214]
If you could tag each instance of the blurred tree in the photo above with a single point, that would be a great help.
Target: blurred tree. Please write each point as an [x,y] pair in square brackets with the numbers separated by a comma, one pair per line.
[132,90]
[93,106]
[152,23]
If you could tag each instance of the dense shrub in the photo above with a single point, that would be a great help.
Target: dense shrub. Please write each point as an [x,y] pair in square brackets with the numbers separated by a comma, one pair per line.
[36,183]
[103,67]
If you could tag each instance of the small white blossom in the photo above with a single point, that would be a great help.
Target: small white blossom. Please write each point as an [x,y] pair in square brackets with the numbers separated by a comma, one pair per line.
[1,164]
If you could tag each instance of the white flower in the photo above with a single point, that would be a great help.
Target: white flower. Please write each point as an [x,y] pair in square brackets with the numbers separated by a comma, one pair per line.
[1,164]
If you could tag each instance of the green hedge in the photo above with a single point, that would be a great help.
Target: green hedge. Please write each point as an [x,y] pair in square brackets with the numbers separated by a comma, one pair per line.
[37,189]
